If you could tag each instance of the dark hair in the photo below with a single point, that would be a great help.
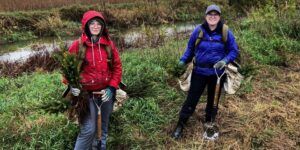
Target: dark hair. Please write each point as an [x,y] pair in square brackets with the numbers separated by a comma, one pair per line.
[218,29]
[98,19]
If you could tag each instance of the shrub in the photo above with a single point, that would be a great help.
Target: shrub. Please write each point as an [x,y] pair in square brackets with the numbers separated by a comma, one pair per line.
[49,25]
[268,34]
[270,21]
[74,12]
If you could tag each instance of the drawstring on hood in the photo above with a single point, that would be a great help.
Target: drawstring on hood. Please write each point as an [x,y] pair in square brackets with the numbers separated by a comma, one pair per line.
[93,53]
[100,51]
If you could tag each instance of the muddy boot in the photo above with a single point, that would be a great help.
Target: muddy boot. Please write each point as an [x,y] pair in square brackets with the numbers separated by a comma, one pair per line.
[177,134]
[211,131]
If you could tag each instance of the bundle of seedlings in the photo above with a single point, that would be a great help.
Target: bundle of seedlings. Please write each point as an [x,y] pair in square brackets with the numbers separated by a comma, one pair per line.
[70,67]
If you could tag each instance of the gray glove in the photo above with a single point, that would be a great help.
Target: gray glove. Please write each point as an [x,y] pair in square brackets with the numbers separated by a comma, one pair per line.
[181,64]
[75,91]
[179,69]
[220,64]
[108,94]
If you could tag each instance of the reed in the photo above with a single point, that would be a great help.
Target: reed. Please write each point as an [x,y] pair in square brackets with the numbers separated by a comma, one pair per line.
[40,62]
[16,5]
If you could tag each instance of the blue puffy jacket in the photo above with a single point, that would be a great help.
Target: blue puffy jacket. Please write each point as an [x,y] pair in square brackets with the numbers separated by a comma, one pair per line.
[210,50]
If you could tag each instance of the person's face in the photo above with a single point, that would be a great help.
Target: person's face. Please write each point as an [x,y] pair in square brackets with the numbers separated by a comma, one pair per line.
[212,18]
[95,27]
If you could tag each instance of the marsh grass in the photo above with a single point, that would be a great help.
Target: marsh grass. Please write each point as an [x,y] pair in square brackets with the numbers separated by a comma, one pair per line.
[267,35]
[40,62]
[26,124]
[263,117]
[264,114]
[54,22]
[141,117]
[13,5]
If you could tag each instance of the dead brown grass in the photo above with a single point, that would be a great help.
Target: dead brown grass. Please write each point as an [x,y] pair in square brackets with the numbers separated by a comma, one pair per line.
[16,5]
[266,118]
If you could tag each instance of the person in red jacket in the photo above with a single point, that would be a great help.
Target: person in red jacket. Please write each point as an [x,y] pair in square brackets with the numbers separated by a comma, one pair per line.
[96,75]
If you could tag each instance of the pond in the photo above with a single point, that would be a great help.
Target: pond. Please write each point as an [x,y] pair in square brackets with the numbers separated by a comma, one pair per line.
[20,51]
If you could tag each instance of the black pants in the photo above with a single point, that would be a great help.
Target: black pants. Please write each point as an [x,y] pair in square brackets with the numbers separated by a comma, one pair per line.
[198,84]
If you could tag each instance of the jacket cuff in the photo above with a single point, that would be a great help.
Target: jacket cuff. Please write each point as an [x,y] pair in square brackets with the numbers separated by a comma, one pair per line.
[182,62]
[113,84]
[225,60]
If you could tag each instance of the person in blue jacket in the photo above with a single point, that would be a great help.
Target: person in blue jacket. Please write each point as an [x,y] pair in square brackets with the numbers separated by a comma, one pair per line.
[210,54]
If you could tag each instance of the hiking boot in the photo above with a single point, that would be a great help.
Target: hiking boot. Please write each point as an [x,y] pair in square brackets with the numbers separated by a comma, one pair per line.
[211,131]
[177,134]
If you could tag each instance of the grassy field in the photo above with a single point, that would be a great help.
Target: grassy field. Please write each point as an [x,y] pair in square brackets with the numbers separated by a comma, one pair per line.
[264,114]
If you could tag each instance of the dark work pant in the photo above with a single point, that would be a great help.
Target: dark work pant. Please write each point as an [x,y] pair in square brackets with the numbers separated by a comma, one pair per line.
[198,84]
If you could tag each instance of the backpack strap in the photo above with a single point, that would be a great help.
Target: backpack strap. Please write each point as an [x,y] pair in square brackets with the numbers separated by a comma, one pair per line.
[199,38]
[224,33]
[81,54]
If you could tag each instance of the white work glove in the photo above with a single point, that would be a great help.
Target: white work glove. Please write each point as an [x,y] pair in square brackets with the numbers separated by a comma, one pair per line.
[75,91]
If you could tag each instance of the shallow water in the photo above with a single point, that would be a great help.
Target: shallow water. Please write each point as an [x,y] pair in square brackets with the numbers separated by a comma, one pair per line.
[20,51]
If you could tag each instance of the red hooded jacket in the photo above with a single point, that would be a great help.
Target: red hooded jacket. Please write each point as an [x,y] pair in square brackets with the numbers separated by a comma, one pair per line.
[96,74]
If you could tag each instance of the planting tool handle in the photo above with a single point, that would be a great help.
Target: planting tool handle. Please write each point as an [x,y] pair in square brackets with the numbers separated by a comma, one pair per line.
[98,92]
[99,125]
[216,98]
[217,89]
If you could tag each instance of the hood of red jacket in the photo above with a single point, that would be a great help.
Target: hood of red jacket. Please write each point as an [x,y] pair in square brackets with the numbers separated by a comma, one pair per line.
[88,16]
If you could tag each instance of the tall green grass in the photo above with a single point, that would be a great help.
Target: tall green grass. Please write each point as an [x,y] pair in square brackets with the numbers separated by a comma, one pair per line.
[153,103]
[25,121]
[32,111]
[268,34]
